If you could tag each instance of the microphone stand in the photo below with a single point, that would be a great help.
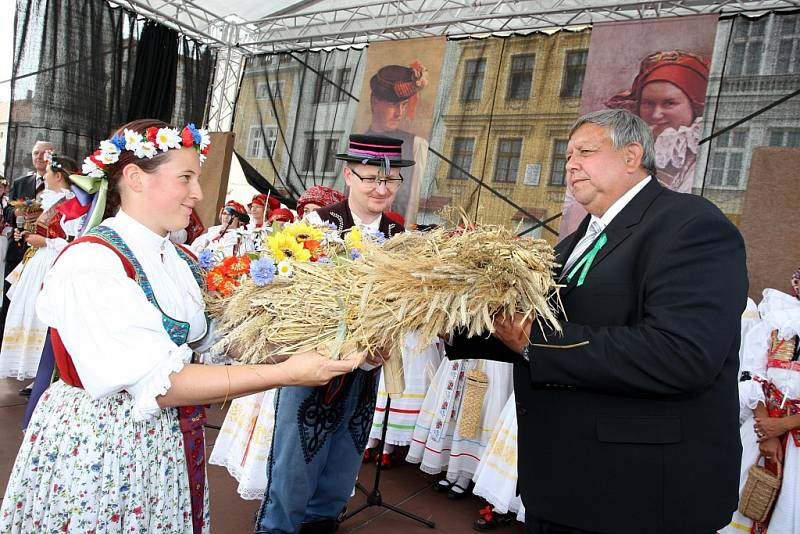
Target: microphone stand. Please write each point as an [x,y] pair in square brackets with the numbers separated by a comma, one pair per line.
[374,497]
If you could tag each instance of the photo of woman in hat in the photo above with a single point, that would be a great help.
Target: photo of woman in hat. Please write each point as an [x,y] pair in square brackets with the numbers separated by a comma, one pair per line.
[394,91]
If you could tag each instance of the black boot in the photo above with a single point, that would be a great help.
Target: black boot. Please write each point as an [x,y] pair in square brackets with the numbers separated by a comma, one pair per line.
[320,526]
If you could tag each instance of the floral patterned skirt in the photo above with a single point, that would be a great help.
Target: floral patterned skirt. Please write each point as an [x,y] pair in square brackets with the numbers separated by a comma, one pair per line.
[86,466]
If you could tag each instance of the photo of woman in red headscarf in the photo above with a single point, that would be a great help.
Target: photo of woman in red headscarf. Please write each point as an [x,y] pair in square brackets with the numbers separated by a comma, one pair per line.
[669,94]
[659,70]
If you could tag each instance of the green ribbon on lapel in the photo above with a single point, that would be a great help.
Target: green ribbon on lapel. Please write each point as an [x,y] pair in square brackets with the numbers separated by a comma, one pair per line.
[93,186]
[586,261]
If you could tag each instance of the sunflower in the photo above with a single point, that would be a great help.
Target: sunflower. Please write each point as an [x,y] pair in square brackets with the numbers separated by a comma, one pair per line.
[284,247]
[304,232]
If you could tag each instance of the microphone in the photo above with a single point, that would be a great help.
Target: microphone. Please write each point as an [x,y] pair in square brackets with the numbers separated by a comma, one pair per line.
[20,225]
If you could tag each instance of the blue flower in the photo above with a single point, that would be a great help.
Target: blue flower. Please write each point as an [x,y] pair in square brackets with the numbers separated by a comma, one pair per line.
[332,226]
[262,271]
[195,134]
[206,259]
[378,236]
[119,142]
[354,254]
[324,259]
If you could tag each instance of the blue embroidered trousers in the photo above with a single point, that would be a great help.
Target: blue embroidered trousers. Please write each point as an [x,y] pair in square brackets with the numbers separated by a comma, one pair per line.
[319,440]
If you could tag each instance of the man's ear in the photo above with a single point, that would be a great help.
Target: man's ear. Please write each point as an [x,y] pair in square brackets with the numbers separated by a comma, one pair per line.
[633,154]
[132,177]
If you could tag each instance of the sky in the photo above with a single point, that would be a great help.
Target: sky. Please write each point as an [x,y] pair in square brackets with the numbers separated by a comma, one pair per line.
[7,8]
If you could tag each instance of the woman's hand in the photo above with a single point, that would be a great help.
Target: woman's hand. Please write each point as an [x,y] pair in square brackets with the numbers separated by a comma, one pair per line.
[771,449]
[769,427]
[35,240]
[312,369]
[513,331]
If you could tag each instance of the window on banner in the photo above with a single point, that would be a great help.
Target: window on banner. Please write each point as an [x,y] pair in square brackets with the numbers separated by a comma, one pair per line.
[331,148]
[472,85]
[574,70]
[324,89]
[788,60]
[506,165]
[263,90]
[726,163]
[343,80]
[520,77]
[788,137]
[256,147]
[747,47]
[558,162]
[461,155]
[310,155]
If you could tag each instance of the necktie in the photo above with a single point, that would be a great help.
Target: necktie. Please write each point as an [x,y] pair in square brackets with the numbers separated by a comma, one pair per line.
[595,228]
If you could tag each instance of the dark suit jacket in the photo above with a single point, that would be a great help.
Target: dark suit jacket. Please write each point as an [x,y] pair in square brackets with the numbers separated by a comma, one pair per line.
[628,422]
[22,187]
[340,215]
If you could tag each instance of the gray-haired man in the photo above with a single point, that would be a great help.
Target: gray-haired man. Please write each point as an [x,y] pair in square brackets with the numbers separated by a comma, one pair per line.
[628,422]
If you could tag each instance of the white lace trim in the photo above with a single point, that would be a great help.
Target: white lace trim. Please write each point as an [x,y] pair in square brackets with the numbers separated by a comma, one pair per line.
[157,383]
[672,145]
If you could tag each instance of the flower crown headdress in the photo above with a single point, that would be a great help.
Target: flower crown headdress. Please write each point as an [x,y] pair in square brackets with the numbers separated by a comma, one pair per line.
[94,179]
[146,145]
[52,159]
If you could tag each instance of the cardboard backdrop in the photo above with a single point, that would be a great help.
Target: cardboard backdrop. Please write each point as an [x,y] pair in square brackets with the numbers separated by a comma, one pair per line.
[771,219]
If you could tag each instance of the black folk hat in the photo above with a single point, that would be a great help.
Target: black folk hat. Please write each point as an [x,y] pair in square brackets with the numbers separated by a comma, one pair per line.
[395,83]
[376,150]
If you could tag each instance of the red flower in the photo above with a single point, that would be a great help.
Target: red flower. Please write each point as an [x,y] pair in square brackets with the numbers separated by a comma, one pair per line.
[205,150]
[137,510]
[115,518]
[151,134]
[96,161]
[186,137]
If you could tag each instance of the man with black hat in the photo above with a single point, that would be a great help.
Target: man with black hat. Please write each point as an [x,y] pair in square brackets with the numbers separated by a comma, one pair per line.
[320,433]
[393,99]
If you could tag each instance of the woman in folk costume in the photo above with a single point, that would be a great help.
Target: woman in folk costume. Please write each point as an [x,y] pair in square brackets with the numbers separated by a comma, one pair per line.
[116,445]
[442,440]
[245,437]
[257,208]
[316,197]
[496,476]
[419,365]
[231,216]
[769,396]
[60,221]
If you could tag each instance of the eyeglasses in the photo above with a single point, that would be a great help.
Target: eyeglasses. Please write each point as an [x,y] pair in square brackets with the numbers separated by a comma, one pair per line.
[374,181]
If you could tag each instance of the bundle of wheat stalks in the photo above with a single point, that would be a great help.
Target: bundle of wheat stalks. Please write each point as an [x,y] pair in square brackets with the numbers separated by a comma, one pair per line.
[431,283]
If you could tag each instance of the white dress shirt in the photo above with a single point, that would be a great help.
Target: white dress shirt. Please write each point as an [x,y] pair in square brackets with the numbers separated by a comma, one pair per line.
[598,224]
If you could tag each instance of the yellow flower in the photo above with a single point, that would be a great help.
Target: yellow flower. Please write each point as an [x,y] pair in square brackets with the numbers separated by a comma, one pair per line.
[353,239]
[304,232]
[284,247]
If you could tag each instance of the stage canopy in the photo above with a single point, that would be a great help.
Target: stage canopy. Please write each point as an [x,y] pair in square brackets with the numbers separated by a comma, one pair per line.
[242,28]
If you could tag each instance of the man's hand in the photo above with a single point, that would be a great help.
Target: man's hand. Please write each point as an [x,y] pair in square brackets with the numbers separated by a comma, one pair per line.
[513,331]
